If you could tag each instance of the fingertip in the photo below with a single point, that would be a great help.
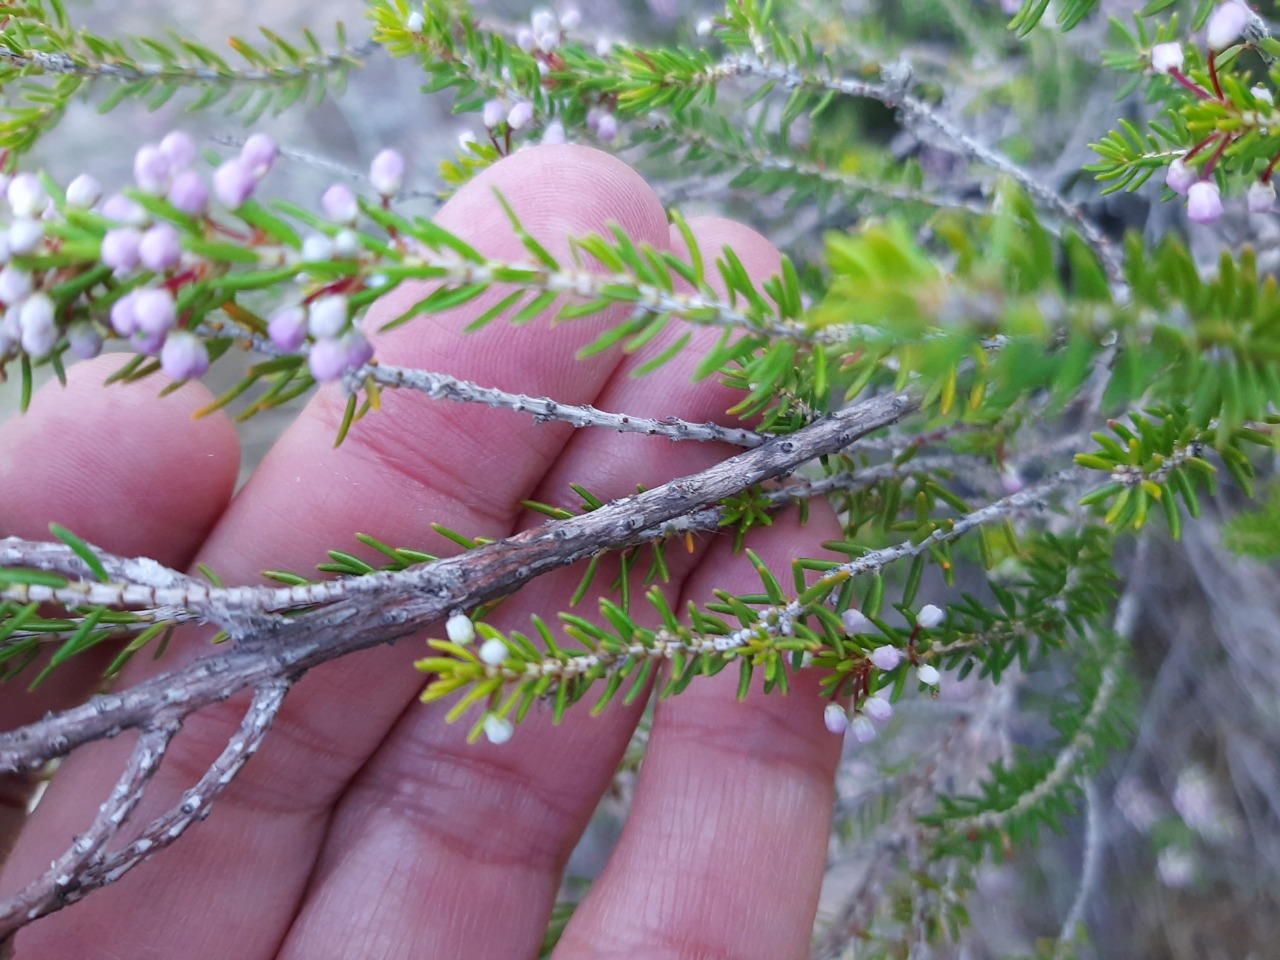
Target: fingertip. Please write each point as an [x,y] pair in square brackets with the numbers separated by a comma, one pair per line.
[119,464]
[759,256]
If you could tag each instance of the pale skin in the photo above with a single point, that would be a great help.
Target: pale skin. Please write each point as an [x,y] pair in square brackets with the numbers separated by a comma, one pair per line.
[367,827]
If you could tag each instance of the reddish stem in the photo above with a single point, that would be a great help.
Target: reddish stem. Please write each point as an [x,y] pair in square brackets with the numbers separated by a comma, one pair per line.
[1195,88]
[1213,74]
[1266,175]
[1200,146]
[1217,155]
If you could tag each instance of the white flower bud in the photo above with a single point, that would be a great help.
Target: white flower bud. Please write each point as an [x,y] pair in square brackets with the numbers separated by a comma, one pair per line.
[878,709]
[493,113]
[544,21]
[1261,197]
[520,115]
[1263,94]
[928,675]
[415,22]
[1226,23]
[493,652]
[705,26]
[460,629]
[1166,57]
[83,191]
[498,730]
[863,730]
[835,718]
[930,616]
[855,621]
[25,235]
[328,316]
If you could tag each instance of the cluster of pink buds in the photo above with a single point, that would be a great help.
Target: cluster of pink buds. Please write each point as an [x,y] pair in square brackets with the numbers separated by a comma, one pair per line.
[1225,27]
[154,265]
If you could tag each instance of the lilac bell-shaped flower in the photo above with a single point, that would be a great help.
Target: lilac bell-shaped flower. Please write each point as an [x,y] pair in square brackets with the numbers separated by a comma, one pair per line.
[1226,23]
[1204,202]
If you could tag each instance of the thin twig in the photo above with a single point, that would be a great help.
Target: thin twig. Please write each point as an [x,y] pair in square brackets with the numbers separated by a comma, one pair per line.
[93,873]
[408,600]
[62,882]
[441,386]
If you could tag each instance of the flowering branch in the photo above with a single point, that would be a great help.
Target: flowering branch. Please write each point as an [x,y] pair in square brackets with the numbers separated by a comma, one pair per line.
[408,600]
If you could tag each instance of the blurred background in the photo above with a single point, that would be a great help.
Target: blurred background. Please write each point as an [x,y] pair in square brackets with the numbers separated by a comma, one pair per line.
[1175,852]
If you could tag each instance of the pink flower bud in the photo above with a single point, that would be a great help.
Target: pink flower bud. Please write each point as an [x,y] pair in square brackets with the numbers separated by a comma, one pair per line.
[120,248]
[120,208]
[1261,197]
[554,133]
[525,40]
[863,730]
[234,182]
[359,349]
[835,718]
[151,169]
[24,235]
[149,343]
[179,149]
[287,328]
[386,172]
[36,322]
[184,356]
[493,114]
[124,317]
[1226,23]
[1204,202]
[1166,57]
[39,341]
[160,248]
[520,115]
[154,310]
[189,193]
[607,129]
[84,191]
[258,154]
[26,195]
[886,657]
[328,360]
[339,204]
[84,340]
[1180,177]
[15,285]
[36,313]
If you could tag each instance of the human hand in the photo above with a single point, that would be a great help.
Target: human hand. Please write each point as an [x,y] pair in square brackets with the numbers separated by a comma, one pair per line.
[368,827]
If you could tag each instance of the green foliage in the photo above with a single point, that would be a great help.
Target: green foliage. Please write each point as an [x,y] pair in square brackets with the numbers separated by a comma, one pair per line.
[1024,336]
[47,61]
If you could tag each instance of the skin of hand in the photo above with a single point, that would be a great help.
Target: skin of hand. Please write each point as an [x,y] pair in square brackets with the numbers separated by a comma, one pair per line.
[367,827]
